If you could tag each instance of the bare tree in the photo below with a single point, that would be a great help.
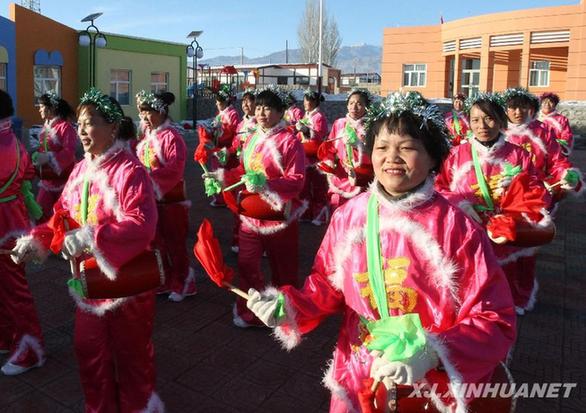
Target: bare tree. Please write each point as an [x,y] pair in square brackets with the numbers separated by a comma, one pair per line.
[308,35]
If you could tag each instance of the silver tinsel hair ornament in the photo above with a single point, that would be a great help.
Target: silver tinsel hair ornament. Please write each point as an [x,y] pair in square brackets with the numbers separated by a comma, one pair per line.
[362,91]
[280,92]
[149,98]
[495,97]
[53,98]
[514,92]
[397,103]
[112,112]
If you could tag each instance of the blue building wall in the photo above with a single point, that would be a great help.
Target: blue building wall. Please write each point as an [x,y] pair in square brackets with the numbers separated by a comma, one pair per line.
[8,41]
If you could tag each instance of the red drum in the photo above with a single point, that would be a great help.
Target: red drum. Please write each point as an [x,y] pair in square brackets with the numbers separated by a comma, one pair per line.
[46,172]
[251,205]
[326,168]
[528,235]
[364,175]
[498,404]
[176,194]
[142,273]
[310,148]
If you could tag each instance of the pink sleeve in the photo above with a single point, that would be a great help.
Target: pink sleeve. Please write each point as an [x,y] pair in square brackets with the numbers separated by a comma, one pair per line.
[118,242]
[290,184]
[557,163]
[65,156]
[485,326]
[170,171]
[320,127]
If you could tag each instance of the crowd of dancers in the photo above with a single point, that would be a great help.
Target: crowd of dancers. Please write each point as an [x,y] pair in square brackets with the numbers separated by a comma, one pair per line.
[433,222]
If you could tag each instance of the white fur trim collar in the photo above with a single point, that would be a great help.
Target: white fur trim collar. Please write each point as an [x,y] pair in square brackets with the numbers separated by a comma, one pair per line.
[414,199]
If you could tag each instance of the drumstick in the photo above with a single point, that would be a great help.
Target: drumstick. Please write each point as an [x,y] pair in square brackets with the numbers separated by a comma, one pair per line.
[7,252]
[236,290]
[231,187]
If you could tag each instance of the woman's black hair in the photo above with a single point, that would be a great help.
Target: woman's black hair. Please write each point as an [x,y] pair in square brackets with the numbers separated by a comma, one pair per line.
[127,129]
[6,106]
[167,97]
[363,95]
[314,97]
[494,110]
[61,108]
[433,138]
[270,99]
[250,95]
[519,101]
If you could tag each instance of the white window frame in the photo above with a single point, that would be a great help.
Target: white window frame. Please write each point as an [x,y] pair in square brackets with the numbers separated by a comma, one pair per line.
[471,88]
[413,73]
[115,83]
[42,83]
[541,74]
[160,86]
[4,76]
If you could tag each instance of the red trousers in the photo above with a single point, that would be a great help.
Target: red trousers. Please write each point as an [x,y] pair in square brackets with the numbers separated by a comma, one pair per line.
[315,191]
[116,356]
[283,253]
[20,330]
[46,199]
[171,239]
[521,277]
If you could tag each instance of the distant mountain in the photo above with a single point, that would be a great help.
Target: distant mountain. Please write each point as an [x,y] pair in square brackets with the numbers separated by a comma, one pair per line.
[362,58]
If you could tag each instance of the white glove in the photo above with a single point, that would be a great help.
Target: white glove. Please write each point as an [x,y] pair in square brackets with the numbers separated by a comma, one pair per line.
[496,240]
[403,372]
[74,244]
[42,158]
[471,212]
[263,306]
[211,174]
[23,251]
[253,188]
[565,185]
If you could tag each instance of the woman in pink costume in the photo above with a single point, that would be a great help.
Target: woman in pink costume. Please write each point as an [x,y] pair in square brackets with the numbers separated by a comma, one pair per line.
[558,124]
[57,144]
[20,331]
[272,166]
[534,137]
[293,114]
[422,296]
[457,120]
[110,194]
[162,151]
[475,176]
[348,151]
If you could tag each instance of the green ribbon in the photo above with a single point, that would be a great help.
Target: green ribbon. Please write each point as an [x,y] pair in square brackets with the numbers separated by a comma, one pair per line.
[398,338]
[456,121]
[33,208]
[12,177]
[76,285]
[563,142]
[212,186]
[572,177]
[373,257]
[34,157]
[280,310]
[147,156]
[350,142]
[84,200]
[222,156]
[249,150]
[481,183]
[510,170]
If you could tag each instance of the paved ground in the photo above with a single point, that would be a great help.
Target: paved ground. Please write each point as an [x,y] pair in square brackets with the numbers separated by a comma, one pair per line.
[205,364]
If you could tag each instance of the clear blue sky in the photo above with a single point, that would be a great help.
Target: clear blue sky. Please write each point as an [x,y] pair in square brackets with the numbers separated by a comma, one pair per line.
[263,26]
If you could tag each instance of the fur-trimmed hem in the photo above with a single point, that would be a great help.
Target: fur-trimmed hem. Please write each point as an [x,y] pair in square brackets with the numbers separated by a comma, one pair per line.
[96,309]
[453,375]
[336,389]
[189,279]
[16,234]
[287,332]
[54,164]
[157,190]
[27,341]
[273,229]
[524,252]
[40,252]
[533,297]
[272,198]
[154,405]
[341,192]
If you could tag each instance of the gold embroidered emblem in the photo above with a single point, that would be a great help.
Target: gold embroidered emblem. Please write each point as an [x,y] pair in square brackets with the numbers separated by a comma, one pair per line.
[92,204]
[493,186]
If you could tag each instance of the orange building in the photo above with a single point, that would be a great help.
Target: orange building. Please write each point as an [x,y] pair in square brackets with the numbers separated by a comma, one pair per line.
[46,59]
[541,49]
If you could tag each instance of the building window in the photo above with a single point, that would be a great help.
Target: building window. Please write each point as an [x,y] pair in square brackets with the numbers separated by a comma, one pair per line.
[3,70]
[470,77]
[301,80]
[539,73]
[159,82]
[120,85]
[282,80]
[414,75]
[47,78]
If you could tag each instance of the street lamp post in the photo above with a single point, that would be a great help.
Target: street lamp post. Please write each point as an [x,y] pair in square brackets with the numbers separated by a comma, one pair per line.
[92,37]
[197,53]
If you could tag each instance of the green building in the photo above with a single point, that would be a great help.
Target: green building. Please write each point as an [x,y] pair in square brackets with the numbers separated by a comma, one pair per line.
[129,64]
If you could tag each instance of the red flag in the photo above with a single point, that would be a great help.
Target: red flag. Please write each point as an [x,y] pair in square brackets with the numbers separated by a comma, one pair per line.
[201,154]
[60,223]
[367,397]
[207,251]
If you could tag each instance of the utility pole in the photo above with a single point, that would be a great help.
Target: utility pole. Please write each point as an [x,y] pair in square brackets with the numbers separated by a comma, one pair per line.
[286,51]
[319,68]
[241,55]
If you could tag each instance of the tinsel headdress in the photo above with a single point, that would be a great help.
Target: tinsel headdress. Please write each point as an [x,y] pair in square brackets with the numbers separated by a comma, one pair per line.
[53,98]
[225,92]
[514,92]
[496,98]
[361,90]
[112,112]
[149,98]
[397,103]
[281,94]
[312,94]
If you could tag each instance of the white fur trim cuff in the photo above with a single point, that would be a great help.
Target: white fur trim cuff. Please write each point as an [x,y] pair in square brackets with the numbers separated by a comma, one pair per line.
[287,333]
